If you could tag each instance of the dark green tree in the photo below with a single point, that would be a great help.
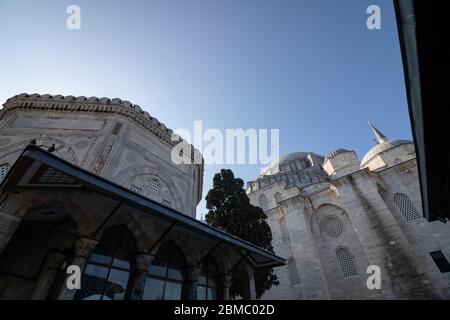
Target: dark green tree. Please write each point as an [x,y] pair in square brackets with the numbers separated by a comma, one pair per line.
[229,209]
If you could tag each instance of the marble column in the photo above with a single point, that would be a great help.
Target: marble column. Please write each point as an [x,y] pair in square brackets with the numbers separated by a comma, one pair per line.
[82,248]
[226,284]
[252,287]
[193,273]
[143,262]
[47,276]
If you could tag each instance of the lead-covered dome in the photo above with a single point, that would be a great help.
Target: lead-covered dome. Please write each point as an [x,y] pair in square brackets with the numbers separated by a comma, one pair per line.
[298,168]
[382,147]
[284,161]
[384,144]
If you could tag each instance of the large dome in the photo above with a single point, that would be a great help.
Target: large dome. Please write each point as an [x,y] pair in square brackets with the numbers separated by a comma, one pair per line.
[335,152]
[381,147]
[276,165]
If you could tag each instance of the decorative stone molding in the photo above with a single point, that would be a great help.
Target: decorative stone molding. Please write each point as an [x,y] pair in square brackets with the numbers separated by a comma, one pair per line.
[63,150]
[21,204]
[79,104]
[126,177]
[91,104]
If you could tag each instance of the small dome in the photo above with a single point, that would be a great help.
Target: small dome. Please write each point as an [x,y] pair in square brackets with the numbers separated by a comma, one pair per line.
[335,152]
[381,147]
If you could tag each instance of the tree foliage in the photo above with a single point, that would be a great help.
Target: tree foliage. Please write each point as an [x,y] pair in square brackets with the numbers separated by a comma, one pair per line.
[229,209]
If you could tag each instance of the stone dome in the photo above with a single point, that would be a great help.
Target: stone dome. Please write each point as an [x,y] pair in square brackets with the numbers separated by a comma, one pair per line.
[382,147]
[275,165]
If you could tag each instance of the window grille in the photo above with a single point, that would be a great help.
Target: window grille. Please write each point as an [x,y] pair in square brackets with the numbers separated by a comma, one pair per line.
[406,207]
[165,203]
[135,189]
[4,168]
[331,226]
[153,185]
[283,229]
[292,272]
[346,263]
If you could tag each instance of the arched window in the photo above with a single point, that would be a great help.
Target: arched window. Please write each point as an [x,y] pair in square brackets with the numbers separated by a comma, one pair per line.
[284,230]
[166,275]
[278,197]
[153,185]
[406,207]
[292,271]
[208,281]
[346,262]
[4,168]
[263,202]
[108,271]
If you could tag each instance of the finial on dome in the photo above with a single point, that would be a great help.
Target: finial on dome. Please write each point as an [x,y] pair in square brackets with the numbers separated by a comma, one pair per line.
[378,135]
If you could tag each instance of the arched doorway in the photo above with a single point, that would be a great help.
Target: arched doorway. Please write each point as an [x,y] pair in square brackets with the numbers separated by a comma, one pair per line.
[29,263]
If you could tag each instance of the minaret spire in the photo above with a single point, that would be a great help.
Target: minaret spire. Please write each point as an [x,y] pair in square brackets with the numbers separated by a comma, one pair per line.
[378,135]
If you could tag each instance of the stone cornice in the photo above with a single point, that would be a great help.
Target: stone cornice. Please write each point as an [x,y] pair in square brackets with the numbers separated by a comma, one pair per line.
[101,105]
[91,104]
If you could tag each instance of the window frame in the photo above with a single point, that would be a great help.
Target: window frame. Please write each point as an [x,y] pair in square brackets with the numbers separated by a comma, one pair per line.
[205,271]
[166,278]
[110,265]
[441,261]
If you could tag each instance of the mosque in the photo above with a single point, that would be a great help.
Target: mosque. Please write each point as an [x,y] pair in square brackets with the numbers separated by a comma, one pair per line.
[332,217]
[89,182]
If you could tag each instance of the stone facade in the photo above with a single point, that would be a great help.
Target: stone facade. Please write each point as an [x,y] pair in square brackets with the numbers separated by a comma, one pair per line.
[109,137]
[333,217]
[49,220]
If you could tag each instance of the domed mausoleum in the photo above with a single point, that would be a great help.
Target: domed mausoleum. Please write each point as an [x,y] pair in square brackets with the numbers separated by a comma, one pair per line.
[90,183]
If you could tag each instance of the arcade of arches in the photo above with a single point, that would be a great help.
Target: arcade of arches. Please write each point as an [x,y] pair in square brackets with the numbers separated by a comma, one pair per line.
[33,265]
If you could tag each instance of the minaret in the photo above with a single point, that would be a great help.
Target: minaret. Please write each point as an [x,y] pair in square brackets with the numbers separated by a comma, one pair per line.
[378,135]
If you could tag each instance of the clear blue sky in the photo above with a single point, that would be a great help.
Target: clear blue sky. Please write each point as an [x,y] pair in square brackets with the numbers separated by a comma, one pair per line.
[310,68]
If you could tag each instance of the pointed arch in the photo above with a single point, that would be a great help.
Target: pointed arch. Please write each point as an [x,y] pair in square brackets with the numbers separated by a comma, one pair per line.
[278,198]
[263,203]
[109,271]
[166,276]
[127,176]
[208,280]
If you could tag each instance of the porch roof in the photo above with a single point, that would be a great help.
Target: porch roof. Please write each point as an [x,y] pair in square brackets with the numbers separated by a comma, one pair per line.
[39,168]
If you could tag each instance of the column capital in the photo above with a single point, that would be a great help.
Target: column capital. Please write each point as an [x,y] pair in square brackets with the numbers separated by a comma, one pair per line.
[193,272]
[83,246]
[226,280]
[143,261]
